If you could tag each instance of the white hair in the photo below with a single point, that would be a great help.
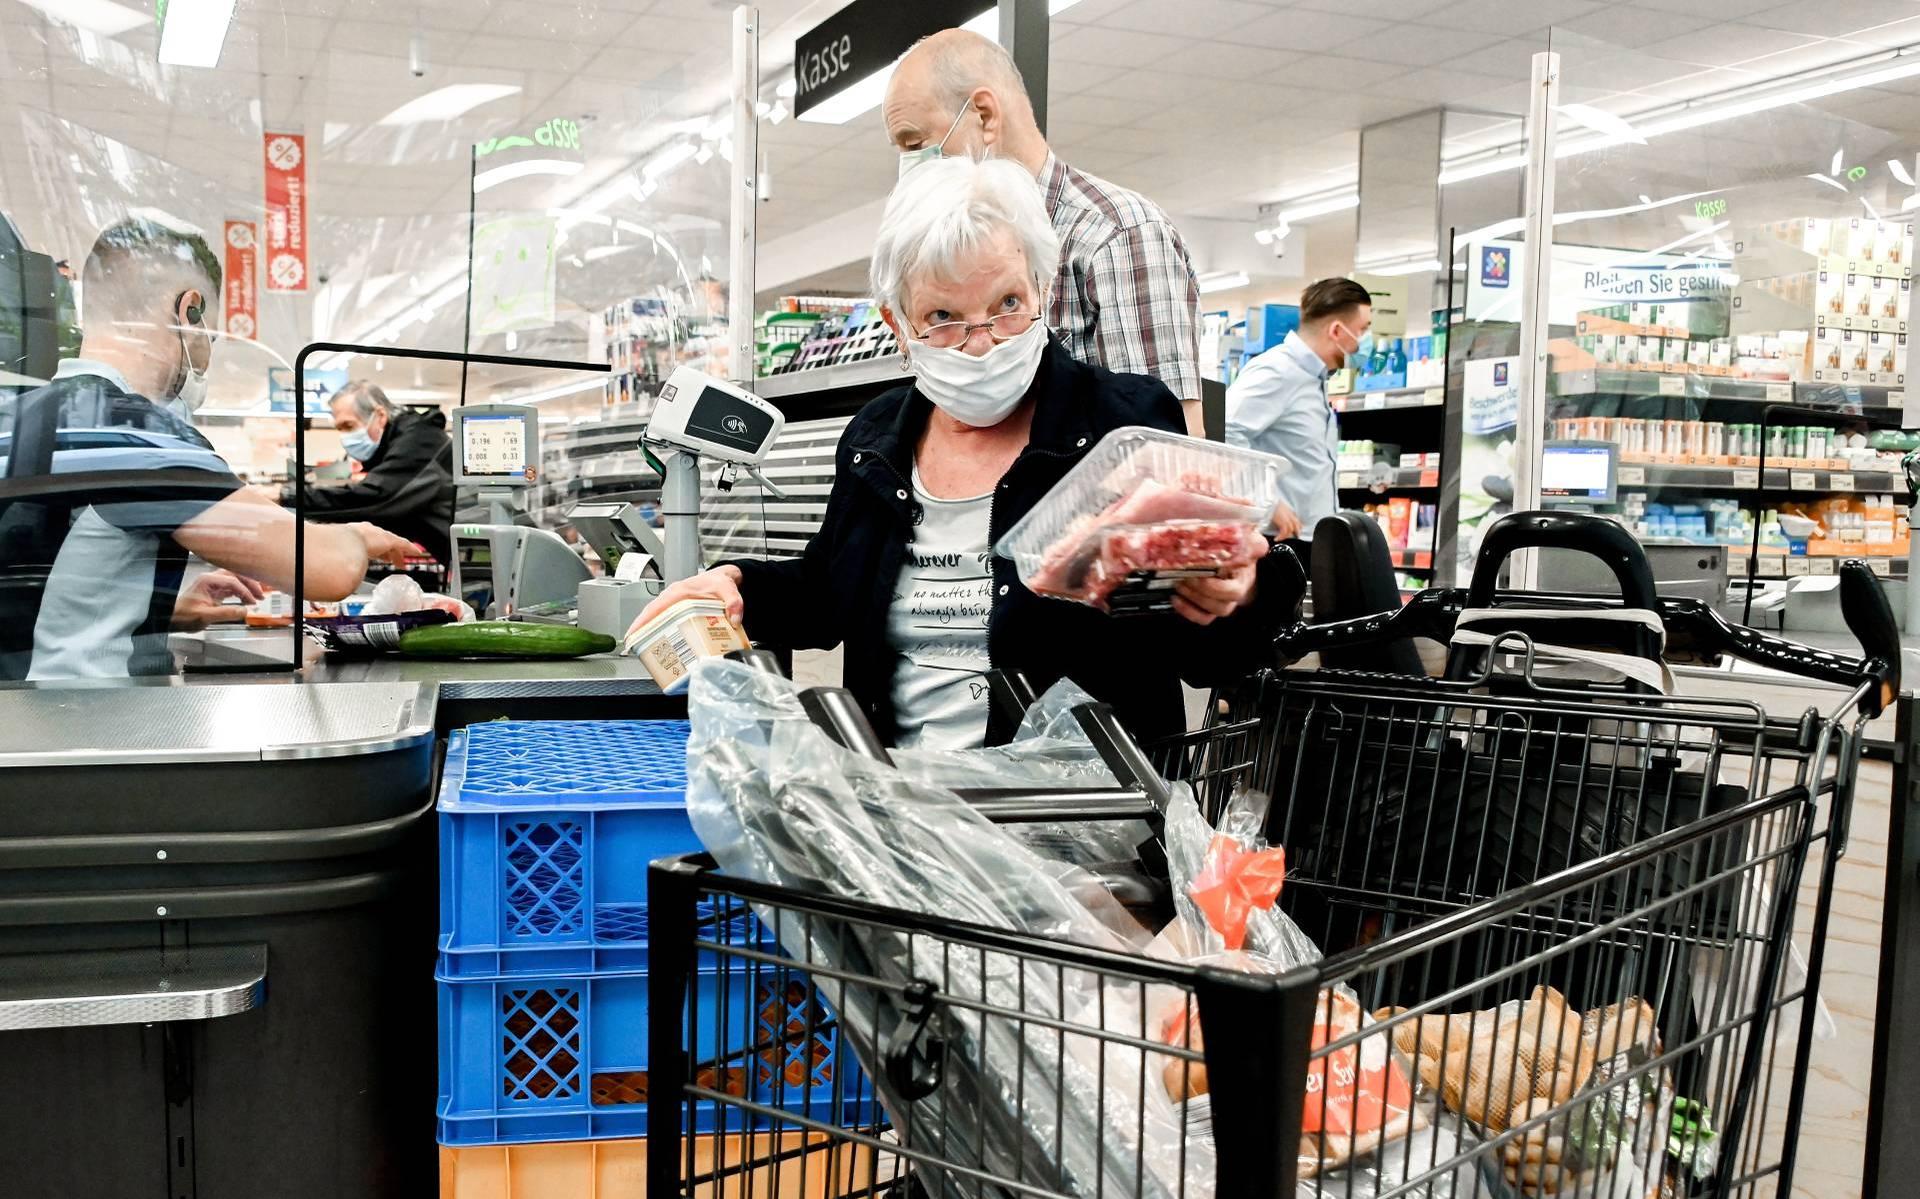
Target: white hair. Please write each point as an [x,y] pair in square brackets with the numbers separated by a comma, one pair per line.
[948,208]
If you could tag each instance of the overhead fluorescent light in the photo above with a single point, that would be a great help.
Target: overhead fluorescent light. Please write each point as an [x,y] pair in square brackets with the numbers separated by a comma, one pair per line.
[103,17]
[1214,281]
[1899,170]
[1312,206]
[787,88]
[1601,121]
[495,176]
[592,382]
[668,159]
[446,103]
[1405,264]
[192,32]
[599,252]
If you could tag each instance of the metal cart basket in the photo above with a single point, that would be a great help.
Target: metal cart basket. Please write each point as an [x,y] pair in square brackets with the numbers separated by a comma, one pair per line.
[1557,924]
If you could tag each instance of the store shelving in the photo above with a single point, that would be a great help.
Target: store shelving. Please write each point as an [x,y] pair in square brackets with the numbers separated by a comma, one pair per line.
[1787,477]
[1397,399]
[882,368]
[1689,385]
[1389,480]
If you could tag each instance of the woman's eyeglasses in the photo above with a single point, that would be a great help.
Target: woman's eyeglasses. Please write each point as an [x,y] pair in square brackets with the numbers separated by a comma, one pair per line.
[949,335]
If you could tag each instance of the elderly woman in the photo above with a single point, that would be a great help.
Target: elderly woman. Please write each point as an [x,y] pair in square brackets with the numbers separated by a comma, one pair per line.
[929,476]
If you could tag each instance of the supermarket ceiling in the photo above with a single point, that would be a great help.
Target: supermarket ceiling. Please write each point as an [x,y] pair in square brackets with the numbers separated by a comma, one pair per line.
[1212,107]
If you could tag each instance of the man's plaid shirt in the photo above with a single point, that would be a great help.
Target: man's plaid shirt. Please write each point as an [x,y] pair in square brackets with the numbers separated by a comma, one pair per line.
[1126,298]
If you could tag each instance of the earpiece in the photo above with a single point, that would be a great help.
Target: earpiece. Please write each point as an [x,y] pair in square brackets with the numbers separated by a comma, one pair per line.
[196,309]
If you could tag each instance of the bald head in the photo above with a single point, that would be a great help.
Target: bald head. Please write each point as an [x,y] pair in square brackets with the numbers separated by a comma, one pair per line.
[958,81]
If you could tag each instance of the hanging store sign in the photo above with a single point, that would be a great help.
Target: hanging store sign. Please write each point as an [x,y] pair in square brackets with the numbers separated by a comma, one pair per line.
[240,306]
[286,257]
[867,36]
[1587,277]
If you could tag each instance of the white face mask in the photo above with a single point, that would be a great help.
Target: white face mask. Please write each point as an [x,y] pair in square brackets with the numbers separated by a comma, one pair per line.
[979,391]
[192,391]
[910,159]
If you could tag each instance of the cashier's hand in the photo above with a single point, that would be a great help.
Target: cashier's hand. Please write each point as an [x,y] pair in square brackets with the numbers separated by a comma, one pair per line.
[1286,522]
[722,583]
[1204,601]
[201,602]
[383,546]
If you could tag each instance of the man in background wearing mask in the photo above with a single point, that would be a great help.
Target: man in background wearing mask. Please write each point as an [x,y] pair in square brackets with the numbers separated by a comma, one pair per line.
[1278,403]
[408,460]
[109,489]
[1125,297]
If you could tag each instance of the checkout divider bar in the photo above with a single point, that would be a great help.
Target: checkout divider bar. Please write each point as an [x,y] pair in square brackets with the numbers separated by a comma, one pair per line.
[300,442]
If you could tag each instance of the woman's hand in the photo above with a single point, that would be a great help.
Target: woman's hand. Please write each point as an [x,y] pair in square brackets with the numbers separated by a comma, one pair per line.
[1204,601]
[721,583]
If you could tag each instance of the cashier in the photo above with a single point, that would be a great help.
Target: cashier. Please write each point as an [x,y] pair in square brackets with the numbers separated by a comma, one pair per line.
[111,494]
[929,475]
[408,460]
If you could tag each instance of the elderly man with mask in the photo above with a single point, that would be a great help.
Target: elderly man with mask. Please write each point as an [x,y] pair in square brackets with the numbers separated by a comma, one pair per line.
[1126,297]
[110,488]
[408,460]
[928,476]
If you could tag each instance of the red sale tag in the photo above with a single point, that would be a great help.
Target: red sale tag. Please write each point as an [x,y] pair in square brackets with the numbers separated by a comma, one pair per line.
[286,254]
[241,308]
[1354,1090]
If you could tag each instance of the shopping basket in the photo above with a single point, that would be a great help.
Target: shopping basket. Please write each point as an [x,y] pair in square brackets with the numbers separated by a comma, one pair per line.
[1556,921]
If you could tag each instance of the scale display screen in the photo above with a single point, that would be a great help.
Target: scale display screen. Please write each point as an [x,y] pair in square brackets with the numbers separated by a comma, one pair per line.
[1577,473]
[494,445]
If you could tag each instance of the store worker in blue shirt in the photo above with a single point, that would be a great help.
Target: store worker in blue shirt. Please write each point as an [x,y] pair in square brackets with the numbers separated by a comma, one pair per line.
[119,524]
[1279,403]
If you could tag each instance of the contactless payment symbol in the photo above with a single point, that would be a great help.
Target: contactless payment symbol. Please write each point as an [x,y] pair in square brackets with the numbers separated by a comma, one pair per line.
[283,153]
[286,270]
[734,424]
[1496,266]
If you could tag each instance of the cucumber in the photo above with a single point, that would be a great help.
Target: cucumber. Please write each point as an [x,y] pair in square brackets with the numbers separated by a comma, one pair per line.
[502,639]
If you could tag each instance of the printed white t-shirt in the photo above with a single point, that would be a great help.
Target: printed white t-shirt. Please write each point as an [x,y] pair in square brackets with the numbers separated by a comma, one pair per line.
[937,624]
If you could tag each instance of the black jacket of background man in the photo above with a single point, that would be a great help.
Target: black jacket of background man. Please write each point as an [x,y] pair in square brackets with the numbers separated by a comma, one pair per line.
[840,589]
[408,488]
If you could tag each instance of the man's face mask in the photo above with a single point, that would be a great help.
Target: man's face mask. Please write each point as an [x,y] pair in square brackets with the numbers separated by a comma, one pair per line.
[910,159]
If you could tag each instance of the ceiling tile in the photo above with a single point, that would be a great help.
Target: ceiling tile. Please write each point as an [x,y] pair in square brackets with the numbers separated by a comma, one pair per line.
[1835,18]
[1112,47]
[1303,30]
[1385,10]
[1897,33]
[1725,45]
[1162,87]
[1065,77]
[1482,16]
[1611,27]
[1187,18]
[1103,111]
[1711,10]
[1091,12]
[1226,60]
[1421,45]
[1330,71]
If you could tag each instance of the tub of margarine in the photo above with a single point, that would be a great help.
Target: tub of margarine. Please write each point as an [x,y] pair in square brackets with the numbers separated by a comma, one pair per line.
[670,643]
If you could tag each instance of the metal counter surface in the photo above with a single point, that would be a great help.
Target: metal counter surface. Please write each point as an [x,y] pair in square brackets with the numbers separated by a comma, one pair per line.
[227,721]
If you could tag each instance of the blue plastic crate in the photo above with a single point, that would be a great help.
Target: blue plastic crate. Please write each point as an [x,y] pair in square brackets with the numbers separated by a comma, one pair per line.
[546,830]
[565,1058]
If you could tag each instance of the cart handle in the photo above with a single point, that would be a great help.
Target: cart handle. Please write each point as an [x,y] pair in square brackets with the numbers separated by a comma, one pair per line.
[1594,535]
[1694,626]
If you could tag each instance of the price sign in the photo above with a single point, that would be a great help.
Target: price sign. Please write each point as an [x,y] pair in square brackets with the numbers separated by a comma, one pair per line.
[1349,478]
[1746,480]
[1673,385]
[1434,396]
[1840,482]
[1633,476]
[1822,566]
[1797,567]
[1736,565]
[1779,393]
[1772,568]
[1375,402]
[1430,478]
[1881,566]
[1803,480]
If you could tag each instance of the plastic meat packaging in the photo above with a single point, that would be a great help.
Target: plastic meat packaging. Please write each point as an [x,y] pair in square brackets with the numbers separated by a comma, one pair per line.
[1142,510]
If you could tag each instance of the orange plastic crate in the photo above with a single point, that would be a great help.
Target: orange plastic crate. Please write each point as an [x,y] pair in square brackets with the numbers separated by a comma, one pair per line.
[813,1168]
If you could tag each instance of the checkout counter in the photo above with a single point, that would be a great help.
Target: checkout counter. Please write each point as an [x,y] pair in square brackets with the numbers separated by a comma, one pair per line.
[218,890]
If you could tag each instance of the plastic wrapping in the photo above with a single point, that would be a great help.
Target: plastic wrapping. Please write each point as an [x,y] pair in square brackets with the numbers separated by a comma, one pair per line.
[1050,750]
[1197,850]
[772,798]
[1144,507]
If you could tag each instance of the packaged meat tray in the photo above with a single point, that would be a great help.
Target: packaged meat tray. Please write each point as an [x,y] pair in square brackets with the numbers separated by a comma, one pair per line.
[1141,511]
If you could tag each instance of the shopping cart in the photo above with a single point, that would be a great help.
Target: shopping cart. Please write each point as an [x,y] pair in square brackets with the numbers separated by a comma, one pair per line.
[1557,920]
